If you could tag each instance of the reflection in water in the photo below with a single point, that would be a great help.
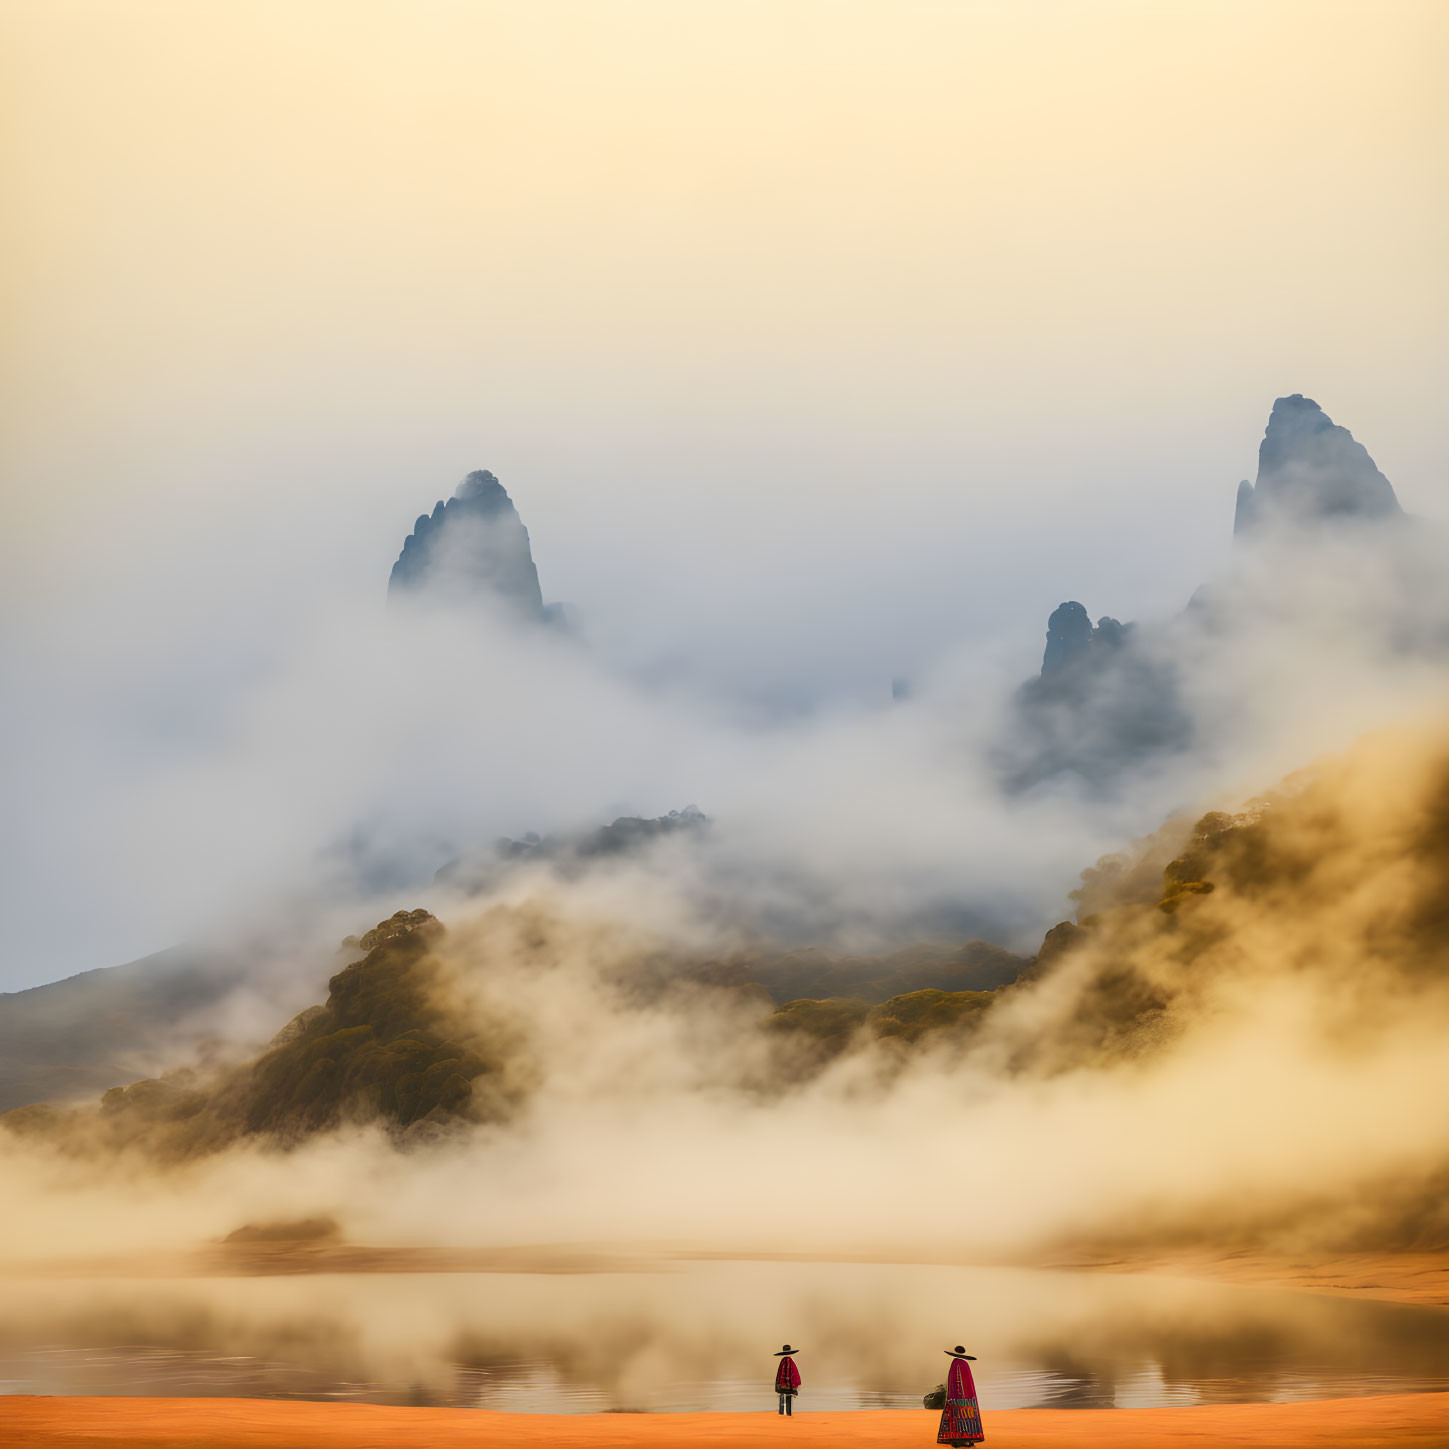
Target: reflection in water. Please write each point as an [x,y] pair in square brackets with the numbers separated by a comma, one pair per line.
[697,1336]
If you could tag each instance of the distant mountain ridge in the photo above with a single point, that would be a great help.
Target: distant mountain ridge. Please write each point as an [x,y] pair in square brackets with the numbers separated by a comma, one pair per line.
[78,1036]
[478,871]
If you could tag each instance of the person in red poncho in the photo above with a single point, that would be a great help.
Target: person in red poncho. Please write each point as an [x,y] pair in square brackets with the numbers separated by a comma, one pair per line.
[787,1379]
[961,1418]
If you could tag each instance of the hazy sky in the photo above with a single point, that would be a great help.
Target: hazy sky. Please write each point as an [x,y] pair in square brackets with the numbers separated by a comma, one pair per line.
[925,289]
[811,339]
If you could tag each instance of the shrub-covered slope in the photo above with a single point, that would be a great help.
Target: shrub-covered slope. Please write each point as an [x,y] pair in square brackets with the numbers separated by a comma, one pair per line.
[381,1051]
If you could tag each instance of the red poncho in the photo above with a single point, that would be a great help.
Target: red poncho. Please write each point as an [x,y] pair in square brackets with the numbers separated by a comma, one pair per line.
[787,1377]
[961,1418]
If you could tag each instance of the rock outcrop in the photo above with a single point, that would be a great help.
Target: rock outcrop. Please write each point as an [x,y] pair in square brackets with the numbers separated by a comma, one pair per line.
[472,548]
[1073,643]
[1102,703]
[1310,469]
[1108,696]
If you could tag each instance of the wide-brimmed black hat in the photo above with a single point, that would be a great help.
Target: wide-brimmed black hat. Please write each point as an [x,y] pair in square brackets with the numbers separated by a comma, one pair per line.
[786,1350]
[959,1352]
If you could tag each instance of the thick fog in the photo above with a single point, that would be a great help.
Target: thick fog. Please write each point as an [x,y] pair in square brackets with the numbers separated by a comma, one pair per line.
[1291,1096]
[211,743]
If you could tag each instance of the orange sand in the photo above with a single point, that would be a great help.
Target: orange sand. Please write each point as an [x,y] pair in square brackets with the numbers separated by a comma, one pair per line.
[70,1423]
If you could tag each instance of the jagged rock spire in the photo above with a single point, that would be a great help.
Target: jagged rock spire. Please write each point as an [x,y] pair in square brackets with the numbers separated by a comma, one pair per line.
[1310,469]
[1071,638]
[472,547]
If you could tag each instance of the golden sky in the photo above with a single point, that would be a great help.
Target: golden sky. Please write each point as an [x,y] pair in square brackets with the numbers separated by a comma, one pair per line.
[805,247]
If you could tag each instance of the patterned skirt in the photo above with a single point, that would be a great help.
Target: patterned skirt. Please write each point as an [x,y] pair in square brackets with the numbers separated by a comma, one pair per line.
[960,1423]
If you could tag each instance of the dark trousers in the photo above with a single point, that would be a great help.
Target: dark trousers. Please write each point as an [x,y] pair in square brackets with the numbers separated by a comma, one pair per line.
[786,1399]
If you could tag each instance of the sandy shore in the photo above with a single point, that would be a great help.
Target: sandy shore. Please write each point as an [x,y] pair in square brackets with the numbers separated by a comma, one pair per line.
[82,1423]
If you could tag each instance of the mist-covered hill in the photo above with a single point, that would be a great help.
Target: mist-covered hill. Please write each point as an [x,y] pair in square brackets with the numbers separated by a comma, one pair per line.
[1240,1033]
[392,1046]
[1296,949]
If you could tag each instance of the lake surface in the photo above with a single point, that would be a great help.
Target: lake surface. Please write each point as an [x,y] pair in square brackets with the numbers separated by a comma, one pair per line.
[699,1336]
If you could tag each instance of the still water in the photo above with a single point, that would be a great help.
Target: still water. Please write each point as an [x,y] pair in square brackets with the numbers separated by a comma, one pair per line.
[699,1335]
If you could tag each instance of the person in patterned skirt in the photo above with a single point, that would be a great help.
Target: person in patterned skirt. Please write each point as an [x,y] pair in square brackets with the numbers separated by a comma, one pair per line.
[961,1418]
[787,1379]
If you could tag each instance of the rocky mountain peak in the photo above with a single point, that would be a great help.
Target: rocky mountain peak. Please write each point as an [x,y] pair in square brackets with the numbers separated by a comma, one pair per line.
[1310,469]
[471,547]
[1071,638]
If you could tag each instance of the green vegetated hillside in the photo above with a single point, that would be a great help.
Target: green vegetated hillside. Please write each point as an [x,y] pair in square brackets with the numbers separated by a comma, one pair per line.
[381,1049]
[1336,884]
